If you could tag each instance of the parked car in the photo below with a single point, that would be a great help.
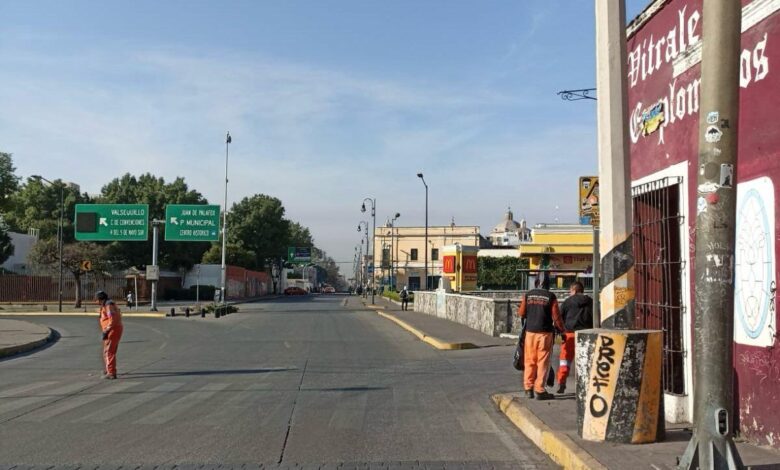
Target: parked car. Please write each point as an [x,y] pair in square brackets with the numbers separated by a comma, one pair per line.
[294,290]
[329,290]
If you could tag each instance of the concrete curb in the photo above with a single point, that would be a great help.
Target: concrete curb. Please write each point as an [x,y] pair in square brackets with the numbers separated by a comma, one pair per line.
[560,447]
[79,314]
[435,342]
[23,348]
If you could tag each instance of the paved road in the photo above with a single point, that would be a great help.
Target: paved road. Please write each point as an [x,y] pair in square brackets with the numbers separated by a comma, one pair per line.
[294,381]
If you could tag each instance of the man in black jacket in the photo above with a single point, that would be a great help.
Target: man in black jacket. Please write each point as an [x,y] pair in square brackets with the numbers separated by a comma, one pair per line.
[577,313]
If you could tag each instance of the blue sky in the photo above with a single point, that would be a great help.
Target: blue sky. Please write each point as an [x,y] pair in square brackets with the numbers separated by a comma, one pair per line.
[328,102]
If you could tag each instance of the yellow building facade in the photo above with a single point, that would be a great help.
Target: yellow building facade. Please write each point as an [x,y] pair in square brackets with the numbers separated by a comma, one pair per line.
[563,250]
[400,253]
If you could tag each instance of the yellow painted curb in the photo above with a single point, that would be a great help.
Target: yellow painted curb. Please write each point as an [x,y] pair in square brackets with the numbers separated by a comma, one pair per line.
[77,314]
[435,342]
[561,449]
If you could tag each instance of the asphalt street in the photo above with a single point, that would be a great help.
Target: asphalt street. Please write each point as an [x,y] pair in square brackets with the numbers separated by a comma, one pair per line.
[311,381]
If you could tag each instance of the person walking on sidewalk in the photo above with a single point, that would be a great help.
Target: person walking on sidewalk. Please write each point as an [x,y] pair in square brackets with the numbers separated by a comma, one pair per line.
[111,330]
[539,308]
[577,313]
[405,299]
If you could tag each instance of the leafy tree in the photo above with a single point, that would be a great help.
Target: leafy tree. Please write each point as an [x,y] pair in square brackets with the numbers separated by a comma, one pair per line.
[154,191]
[236,255]
[299,235]
[44,254]
[9,182]
[499,273]
[36,205]
[257,223]
[6,247]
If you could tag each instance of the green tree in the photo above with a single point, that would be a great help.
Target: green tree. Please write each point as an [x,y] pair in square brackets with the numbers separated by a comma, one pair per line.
[500,273]
[6,247]
[236,255]
[36,205]
[9,182]
[44,254]
[154,191]
[299,235]
[257,224]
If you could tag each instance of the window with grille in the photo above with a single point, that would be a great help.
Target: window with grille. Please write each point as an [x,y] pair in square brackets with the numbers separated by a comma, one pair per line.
[658,270]
[414,254]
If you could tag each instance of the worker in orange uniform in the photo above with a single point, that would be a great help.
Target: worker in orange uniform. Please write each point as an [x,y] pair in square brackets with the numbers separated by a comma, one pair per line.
[111,329]
[577,313]
[539,308]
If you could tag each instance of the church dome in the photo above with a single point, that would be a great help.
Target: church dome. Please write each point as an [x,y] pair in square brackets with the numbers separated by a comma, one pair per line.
[508,224]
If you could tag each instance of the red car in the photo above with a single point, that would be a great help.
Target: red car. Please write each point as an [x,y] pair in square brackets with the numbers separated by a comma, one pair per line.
[294,290]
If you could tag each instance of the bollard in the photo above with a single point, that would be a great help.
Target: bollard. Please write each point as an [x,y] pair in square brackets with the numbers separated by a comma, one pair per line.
[173,312]
[216,312]
[203,313]
[619,396]
[187,312]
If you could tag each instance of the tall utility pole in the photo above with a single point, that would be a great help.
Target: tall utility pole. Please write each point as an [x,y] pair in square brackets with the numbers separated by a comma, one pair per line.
[712,446]
[223,295]
[155,237]
[373,235]
[617,259]
[425,243]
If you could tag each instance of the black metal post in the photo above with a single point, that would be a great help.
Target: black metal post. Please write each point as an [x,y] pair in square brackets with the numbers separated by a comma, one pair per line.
[425,244]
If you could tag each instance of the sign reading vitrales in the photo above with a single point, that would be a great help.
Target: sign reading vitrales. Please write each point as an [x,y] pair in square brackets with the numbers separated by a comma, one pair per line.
[299,254]
[109,222]
[191,223]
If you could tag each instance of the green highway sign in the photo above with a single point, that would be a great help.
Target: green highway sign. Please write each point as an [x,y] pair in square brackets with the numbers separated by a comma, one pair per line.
[110,222]
[191,223]
[299,254]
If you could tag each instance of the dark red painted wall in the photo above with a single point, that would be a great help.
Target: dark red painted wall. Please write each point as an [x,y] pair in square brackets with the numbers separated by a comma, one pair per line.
[651,80]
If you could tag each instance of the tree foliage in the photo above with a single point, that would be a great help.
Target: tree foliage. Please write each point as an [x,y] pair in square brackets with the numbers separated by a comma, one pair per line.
[236,255]
[6,247]
[36,204]
[154,191]
[500,273]
[9,182]
[257,224]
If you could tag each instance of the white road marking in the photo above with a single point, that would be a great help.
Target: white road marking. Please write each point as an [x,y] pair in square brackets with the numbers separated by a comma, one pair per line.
[77,401]
[173,409]
[112,411]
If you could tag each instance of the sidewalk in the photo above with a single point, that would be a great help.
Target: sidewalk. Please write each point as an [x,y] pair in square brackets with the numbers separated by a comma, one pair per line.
[20,336]
[438,332]
[552,425]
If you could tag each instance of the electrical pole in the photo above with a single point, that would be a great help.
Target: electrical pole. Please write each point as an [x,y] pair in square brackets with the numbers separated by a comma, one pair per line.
[223,295]
[155,230]
[617,259]
[712,445]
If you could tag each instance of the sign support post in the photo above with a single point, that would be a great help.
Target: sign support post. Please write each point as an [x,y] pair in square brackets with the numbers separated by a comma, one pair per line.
[155,231]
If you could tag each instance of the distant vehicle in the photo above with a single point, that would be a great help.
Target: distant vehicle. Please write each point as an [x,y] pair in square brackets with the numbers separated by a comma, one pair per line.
[294,290]
[329,290]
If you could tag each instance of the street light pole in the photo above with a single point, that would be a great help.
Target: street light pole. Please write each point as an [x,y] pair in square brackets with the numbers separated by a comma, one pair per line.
[60,240]
[425,244]
[364,224]
[223,295]
[392,247]
[373,235]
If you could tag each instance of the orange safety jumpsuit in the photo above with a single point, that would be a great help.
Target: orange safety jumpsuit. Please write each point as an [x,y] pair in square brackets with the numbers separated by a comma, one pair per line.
[111,326]
[540,309]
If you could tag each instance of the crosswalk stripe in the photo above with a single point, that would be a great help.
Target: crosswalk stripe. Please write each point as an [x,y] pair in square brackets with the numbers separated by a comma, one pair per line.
[171,410]
[474,419]
[77,401]
[10,393]
[116,409]
[48,394]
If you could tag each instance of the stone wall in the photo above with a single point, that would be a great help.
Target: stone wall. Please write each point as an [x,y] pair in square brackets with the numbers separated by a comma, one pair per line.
[490,316]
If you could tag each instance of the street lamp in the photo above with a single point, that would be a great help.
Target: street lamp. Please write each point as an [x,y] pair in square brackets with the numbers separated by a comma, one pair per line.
[228,140]
[364,226]
[392,247]
[425,245]
[59,234]
[373,234]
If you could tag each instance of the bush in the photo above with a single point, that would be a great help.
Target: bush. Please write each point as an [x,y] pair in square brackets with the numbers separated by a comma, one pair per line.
[222,308]
[393,295]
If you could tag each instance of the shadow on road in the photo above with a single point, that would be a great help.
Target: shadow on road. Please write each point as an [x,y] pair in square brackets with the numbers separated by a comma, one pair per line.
[185,373]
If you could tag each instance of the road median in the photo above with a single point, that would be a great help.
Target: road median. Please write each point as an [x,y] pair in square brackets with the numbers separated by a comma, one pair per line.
[18,337]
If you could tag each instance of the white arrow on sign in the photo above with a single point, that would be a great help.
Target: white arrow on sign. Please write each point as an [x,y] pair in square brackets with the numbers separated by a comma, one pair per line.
[103,221]
[174,221]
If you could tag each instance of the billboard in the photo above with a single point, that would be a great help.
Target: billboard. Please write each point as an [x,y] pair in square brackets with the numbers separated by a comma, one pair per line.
[589,200]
